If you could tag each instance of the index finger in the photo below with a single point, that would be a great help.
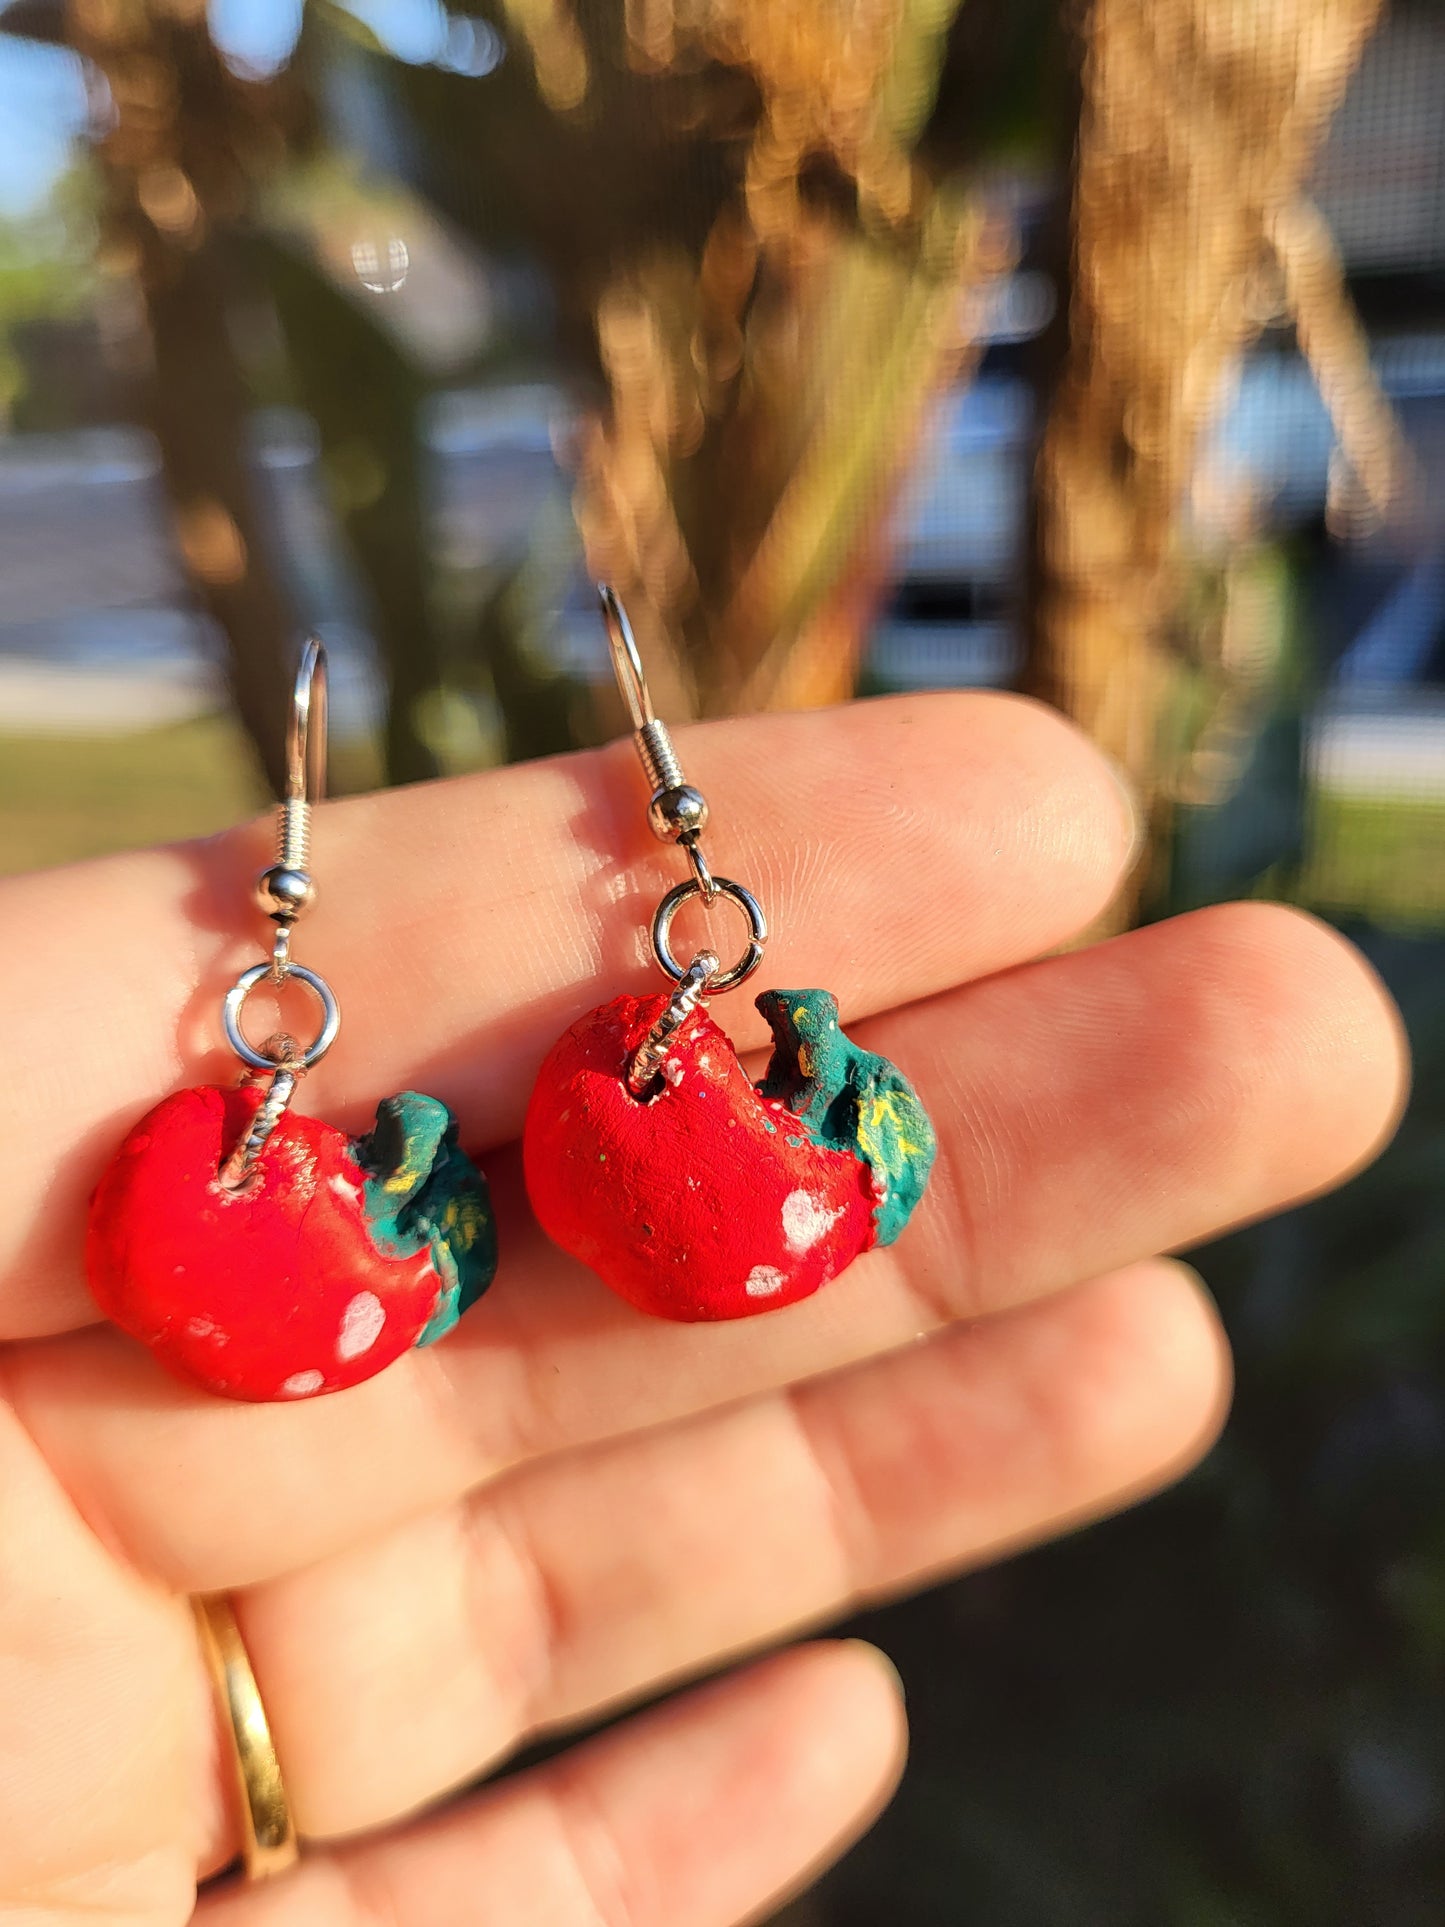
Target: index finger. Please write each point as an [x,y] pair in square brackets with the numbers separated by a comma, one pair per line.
[899,847]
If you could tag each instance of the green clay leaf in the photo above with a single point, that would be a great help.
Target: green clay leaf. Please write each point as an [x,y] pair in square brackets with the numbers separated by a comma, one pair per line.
[850,1099]
[422,1191]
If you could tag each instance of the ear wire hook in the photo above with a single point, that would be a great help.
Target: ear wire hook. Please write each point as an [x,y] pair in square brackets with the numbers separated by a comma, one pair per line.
[305,757]
[285,891]
[626,658]
[678,814]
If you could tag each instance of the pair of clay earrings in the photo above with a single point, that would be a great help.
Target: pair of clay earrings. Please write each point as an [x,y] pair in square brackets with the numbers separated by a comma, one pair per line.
[264,1255]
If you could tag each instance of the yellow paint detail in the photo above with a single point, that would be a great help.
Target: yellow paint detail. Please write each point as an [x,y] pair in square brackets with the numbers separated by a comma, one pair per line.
[885,1110]
[463,1220]
[406,1177]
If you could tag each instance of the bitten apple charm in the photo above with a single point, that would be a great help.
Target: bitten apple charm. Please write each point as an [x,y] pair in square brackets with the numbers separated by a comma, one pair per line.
[332,1259]
[649,1154]
[265,1255]
[712,1198]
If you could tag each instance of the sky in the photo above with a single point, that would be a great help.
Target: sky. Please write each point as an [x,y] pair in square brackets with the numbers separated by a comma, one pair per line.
[42,97]
[42,110]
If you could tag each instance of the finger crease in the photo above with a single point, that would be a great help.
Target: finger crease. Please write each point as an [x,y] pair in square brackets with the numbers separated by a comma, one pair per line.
[593,1854]
[842,1507]
[371,1891]
[544,1620]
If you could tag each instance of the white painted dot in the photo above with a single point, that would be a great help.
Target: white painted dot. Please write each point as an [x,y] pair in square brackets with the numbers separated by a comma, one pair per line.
[806,1219]
[361,1325]
[672,1070]
[302,1384]
[763,1281]
[200,1327]
[344,1188]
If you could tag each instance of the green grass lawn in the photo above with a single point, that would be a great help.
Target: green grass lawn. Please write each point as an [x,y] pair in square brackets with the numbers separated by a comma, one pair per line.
[1377,857]
[76,796]
[62,798]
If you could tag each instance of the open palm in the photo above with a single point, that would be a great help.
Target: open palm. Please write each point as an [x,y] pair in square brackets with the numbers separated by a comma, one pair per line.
[566,1505]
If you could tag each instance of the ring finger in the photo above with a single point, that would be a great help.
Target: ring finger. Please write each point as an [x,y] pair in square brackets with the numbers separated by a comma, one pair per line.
[701,1813]
[406,1666]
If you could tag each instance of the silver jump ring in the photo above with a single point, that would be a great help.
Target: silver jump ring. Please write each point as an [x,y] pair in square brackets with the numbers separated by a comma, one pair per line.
[263,973]
[682,893]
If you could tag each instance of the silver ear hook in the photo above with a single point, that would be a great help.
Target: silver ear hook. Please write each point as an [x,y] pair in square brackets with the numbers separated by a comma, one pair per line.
[306,737]
[285,892]
[626,660]
[678,814]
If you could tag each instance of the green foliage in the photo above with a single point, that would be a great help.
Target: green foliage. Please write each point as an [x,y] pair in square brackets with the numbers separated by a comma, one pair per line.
[47,274]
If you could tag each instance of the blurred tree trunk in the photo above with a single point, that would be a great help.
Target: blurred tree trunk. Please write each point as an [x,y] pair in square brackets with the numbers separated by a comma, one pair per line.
[175,160]
[199,410]
[366,400]
[1198,127]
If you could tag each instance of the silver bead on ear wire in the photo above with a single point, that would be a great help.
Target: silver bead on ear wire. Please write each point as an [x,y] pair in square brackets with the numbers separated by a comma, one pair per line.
[285,892]
[678,813]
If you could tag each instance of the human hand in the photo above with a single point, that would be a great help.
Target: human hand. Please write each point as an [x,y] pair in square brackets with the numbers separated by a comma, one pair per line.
[567,1506]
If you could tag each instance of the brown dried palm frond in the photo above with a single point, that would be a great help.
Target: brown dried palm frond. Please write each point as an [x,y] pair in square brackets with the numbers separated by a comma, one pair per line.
[765,394]
[1200,124]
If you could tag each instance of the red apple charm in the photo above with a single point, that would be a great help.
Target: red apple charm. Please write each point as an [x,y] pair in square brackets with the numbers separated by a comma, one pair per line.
[708,1198]
[333,1258]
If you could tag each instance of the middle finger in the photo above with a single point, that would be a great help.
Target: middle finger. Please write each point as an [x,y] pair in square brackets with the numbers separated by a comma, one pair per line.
[1092,1109]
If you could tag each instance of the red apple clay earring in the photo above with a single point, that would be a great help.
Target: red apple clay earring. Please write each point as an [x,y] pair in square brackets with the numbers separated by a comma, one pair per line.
[651,1157]
[265,1255]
